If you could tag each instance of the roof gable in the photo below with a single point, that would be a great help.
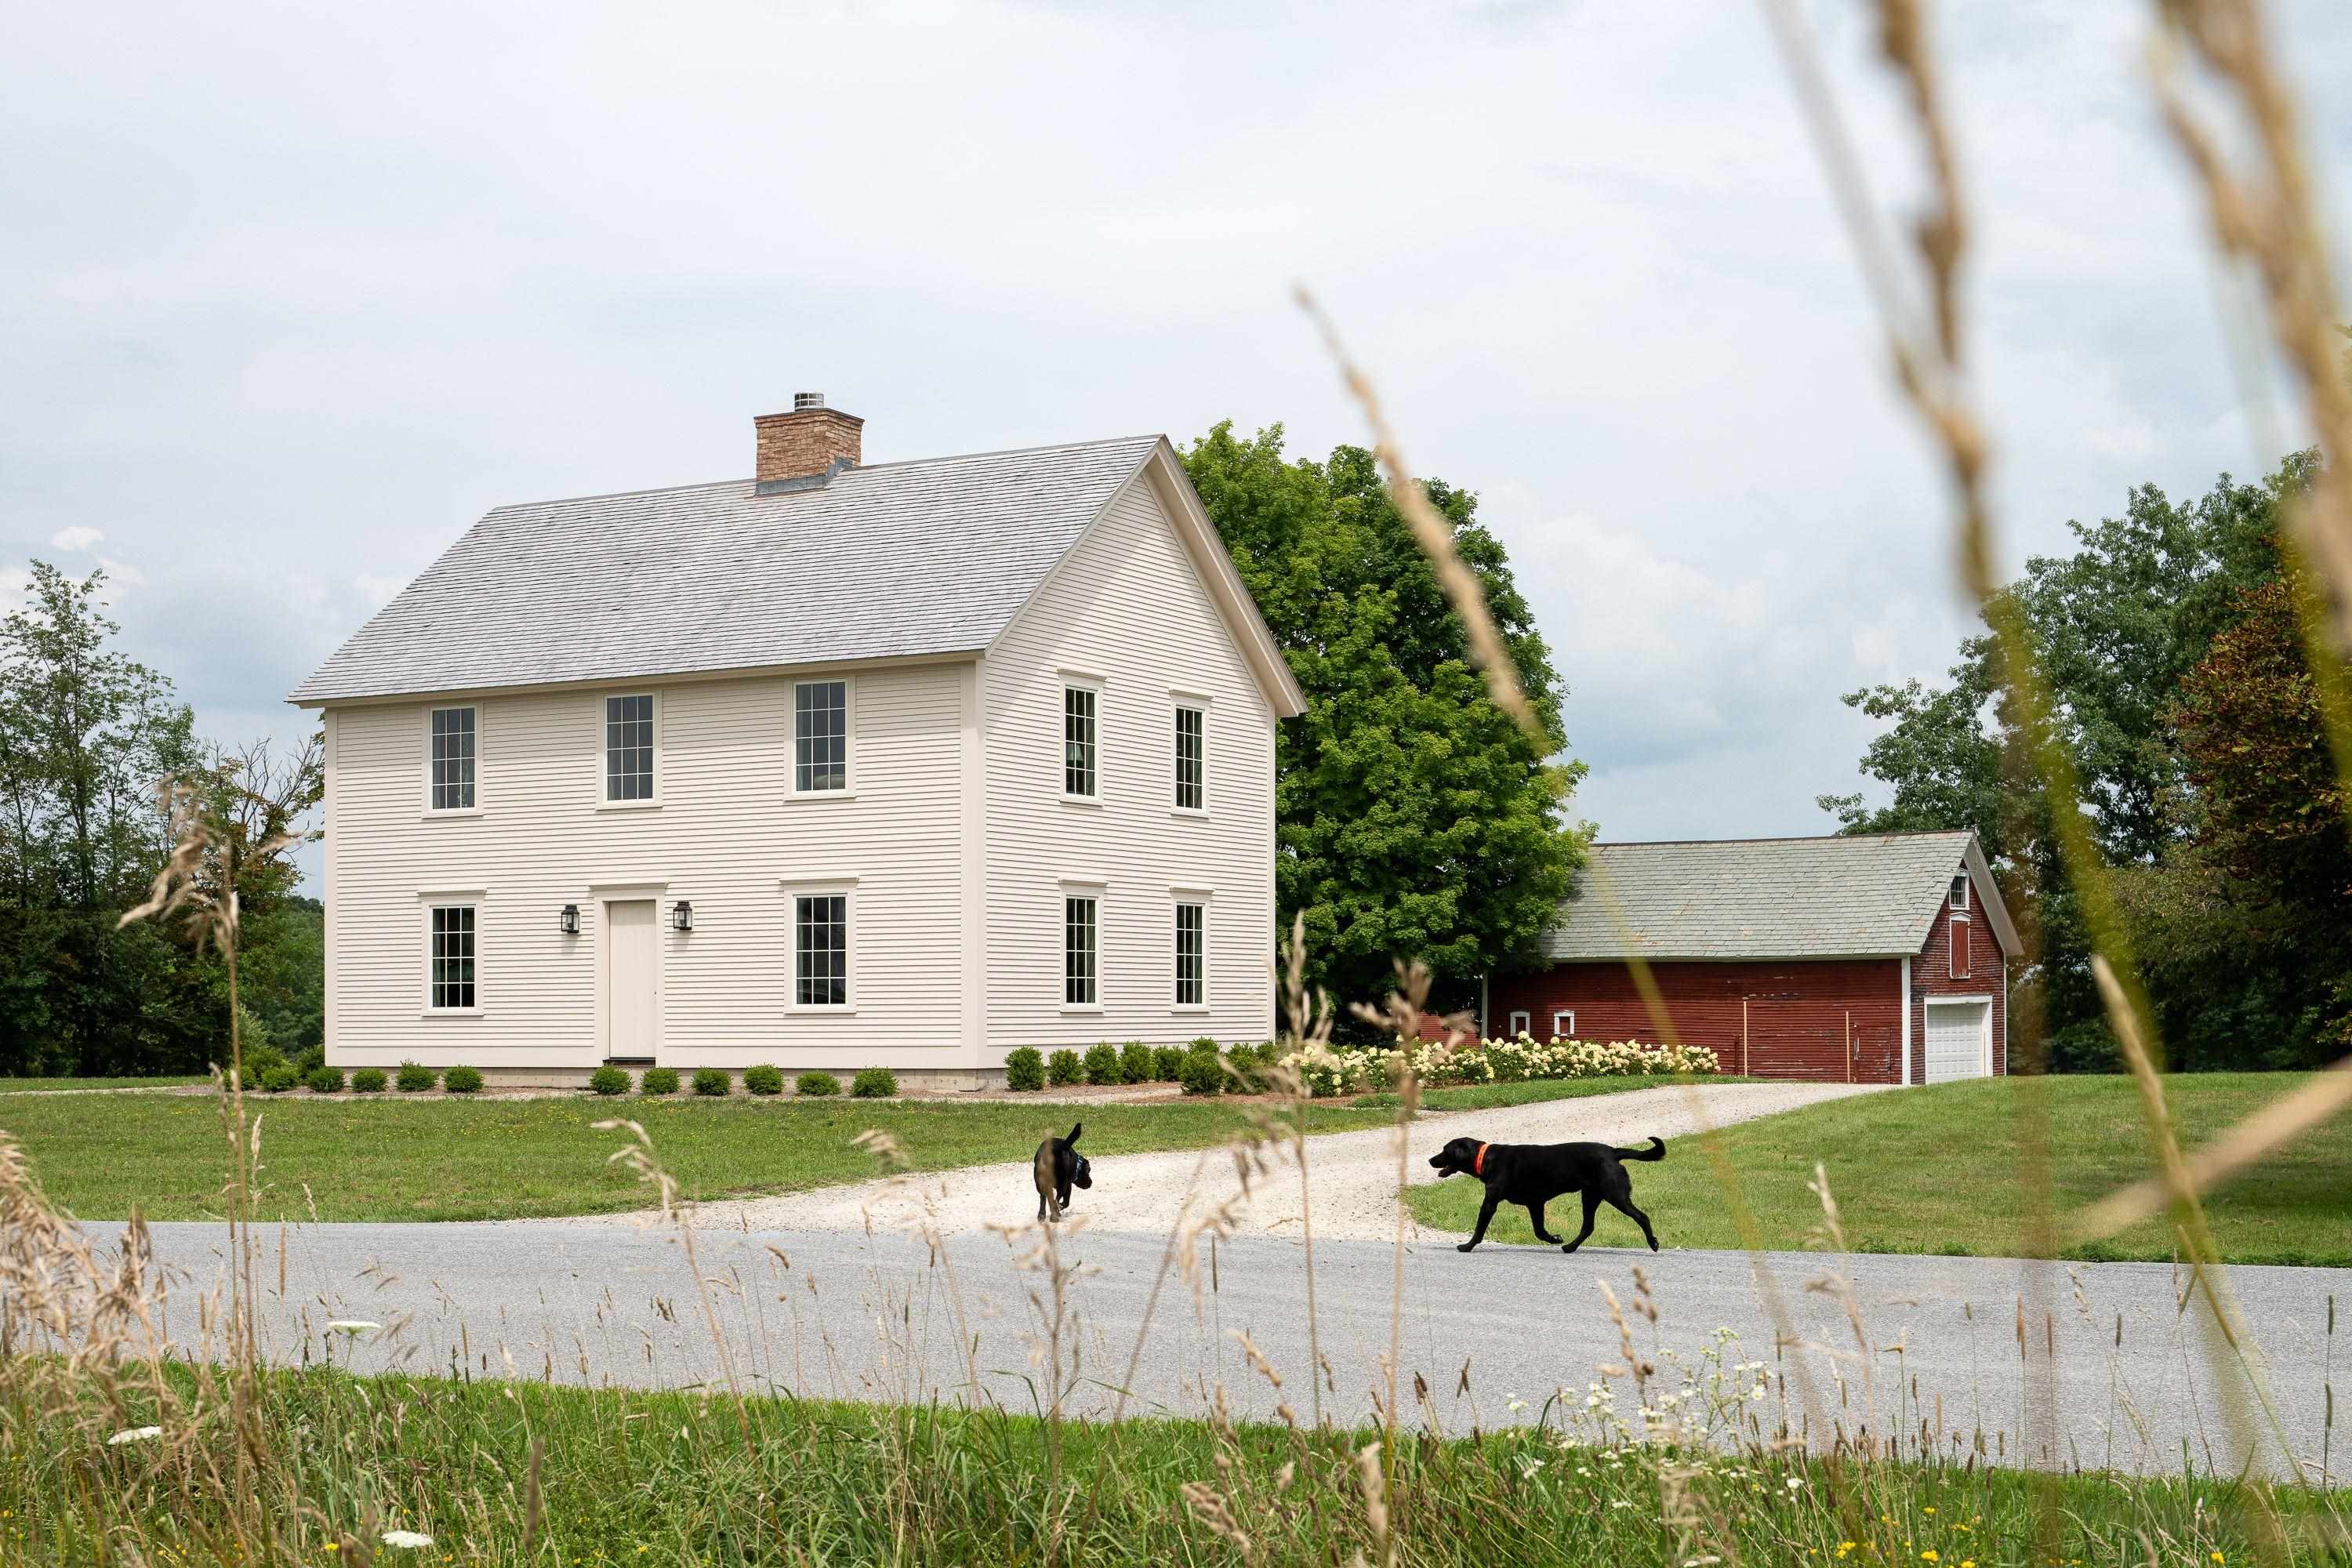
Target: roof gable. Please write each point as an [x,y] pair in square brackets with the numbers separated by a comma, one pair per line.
[891,561]
[1842,897]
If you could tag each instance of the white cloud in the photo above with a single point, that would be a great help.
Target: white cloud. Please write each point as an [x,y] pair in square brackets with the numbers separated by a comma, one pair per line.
[76,538]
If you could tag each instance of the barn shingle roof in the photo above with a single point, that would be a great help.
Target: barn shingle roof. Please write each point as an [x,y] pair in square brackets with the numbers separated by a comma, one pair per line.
[1844,897]
[890,560]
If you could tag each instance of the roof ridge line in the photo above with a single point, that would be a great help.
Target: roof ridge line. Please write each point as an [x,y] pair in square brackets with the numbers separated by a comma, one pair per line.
[1787,839]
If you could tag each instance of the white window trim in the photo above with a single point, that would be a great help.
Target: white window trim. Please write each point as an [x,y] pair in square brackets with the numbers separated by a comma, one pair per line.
[1520,1024]
[848,790]
[428,900]
[456,813]
[1074,680]
[1557,1032]
[795,890]
[1201,899]
[1956,941]
[1180,699]
[1079,888]
[1961,891]
[661,770]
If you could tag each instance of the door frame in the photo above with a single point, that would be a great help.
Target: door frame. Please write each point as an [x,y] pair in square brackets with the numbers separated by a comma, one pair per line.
[1984,1035]
[604,895]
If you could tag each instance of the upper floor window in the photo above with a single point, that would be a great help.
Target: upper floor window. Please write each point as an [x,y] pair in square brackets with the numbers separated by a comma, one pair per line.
[1961,891]
[1079,951]
[1078,740]
[1192,759]
[1959,954]
[1191,954]
[453,759]
[629,747]
[451,962]
[820,736]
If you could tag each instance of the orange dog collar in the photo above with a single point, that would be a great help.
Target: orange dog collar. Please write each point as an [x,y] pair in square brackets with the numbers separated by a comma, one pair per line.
[1478,1165]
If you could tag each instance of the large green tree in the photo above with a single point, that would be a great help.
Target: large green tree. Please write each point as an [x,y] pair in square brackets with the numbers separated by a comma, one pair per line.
[2124,626]
[1413,818]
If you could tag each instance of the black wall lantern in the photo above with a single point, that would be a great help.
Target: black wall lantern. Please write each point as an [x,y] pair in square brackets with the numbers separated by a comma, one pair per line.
[567,921]
[681,916]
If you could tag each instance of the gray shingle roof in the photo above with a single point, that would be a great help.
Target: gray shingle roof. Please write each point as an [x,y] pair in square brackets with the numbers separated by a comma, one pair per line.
[1864,896]
[894,559]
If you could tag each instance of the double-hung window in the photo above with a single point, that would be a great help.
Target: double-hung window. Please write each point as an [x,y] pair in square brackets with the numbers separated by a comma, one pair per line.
[629,747]
[1191,954]
[1079,775]
[1192,759]
[1080,951]
[820,736]
[452,742]
[450,965]
[821,949]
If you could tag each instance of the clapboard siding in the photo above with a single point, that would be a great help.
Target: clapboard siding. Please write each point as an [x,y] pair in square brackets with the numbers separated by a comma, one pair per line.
[1931,976]
[727,835]
[1791,1016]
[1127,606]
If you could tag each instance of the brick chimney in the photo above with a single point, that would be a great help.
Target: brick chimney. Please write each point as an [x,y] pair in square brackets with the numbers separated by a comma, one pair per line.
[803,449]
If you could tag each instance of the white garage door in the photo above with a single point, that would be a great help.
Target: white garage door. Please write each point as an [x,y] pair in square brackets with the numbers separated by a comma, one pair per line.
[1957,1033]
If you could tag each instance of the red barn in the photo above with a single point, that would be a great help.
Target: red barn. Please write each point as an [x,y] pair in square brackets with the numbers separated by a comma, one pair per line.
[1877,959]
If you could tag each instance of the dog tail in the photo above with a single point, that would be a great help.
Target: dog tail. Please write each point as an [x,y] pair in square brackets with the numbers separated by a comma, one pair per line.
[1656,1151]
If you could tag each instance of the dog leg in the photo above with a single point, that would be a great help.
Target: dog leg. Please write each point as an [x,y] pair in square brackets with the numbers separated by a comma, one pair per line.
[1592,1206]
[1485,1214]
[1535,1217]
[1625,1206]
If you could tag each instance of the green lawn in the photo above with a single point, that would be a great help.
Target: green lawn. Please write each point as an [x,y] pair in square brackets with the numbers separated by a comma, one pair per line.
[1934,1170]
[382,1158]
[1492,1095]
[52,1085]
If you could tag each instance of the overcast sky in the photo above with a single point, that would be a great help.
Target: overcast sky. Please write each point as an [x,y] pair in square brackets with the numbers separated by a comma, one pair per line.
[289,296]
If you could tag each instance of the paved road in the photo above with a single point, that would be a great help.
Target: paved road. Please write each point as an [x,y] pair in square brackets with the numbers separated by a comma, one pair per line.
[1494,1333]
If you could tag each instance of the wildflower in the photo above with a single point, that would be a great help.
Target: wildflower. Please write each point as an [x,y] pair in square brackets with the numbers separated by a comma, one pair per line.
[1796,1483]
[2219,1558]
[134,1435]
[408,1539]
[1929,1555]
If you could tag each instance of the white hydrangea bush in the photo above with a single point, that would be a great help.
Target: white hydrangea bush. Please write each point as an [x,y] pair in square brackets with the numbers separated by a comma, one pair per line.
[1363,1069]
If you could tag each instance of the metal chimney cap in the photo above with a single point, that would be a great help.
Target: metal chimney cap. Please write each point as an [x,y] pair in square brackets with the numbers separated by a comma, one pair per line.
[807,400]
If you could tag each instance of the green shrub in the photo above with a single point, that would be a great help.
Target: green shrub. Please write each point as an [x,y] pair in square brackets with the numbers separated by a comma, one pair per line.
[658,1080]
[609,1080]
[279,1079]
[873,1083]
[1166,1064]
[264,1056]
[413,1078]
[462,1080]
[1102,1065]
[1202,1043]
[1135,1062]
[816,1085]
[311,1059]
[712,1081]
[1203,1073]
[368,1080]
[1024,1069]
[325,1080]
[1062,1068]
[765,1078]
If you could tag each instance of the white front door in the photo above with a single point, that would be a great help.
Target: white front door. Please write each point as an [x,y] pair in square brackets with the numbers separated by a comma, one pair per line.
[1956,1036]
[629,979]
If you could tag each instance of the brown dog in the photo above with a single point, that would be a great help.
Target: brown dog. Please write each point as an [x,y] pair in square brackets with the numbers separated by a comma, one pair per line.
[1058,1168]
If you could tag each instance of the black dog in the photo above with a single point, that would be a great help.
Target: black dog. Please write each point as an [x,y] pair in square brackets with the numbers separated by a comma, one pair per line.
[1058,1168]
[1532,1174]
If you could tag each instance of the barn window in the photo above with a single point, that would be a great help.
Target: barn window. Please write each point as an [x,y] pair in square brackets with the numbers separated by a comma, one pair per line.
[1520,1023]
[1959,957]
[1961,892]
[1563,1026]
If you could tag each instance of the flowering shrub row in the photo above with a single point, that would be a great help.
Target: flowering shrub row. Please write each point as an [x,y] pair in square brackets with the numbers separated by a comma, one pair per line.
[1366,1068]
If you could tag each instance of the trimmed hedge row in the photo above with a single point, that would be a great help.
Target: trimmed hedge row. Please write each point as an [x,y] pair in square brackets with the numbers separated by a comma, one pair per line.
[1203,1067]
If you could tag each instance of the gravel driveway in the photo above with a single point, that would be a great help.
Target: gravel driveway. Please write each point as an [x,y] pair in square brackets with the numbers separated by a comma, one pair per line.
[1351,1175]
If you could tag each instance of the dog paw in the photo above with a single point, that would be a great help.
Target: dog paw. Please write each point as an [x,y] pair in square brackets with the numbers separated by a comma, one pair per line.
[1570,1247]
[1465,1246]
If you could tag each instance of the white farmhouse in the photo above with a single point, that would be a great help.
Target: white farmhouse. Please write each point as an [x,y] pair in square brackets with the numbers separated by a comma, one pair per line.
[836,766]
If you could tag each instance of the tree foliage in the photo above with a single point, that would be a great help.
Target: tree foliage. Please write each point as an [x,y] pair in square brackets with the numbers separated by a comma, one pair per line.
[2174,659]
[1413,818]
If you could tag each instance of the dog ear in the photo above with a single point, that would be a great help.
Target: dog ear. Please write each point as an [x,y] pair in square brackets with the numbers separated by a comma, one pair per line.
[1075,1130]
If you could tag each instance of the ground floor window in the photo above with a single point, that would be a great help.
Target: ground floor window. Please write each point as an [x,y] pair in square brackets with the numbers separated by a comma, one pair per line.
[452,961]
[1078,951]
[1520,1023]
[1191,945]
[821,949]
[1563,1026]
